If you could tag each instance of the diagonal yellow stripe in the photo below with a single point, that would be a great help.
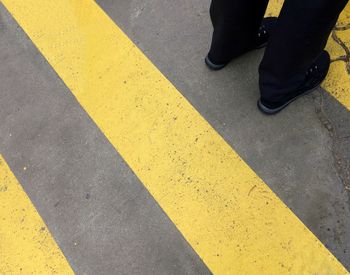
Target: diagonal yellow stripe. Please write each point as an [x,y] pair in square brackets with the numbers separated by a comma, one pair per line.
[26,245]
[231,218]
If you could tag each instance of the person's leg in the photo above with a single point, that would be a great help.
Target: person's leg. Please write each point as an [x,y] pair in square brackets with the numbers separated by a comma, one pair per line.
[236,24]
[298,40]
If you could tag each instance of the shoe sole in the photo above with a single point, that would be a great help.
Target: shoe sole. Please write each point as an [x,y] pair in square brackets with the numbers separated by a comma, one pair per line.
[270,111]
[212,66]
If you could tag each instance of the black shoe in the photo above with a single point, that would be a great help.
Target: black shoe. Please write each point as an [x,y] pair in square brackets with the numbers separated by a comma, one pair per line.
[260,42]
[313,78]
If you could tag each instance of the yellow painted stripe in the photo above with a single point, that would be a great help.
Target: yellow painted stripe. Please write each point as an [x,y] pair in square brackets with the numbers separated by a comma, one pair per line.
[26,245]
[337,82]
[231,218]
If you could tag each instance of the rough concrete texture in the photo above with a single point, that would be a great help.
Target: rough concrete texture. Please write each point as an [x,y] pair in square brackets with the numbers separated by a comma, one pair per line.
[101,216]
[295,152]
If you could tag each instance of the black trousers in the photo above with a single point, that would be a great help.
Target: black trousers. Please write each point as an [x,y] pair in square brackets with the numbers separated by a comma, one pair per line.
[299,37]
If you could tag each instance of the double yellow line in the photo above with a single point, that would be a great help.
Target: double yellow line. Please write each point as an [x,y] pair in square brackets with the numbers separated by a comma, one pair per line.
[230,217]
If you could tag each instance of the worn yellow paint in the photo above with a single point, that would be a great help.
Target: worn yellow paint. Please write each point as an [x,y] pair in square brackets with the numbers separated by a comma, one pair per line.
[231,218]
[337,82]
[26,245]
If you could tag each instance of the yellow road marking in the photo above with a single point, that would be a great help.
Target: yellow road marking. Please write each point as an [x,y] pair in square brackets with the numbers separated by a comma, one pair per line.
[231,218]
[337,82]
[26,245]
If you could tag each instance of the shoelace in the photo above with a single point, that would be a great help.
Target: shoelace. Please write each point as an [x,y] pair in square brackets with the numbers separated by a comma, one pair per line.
[262,31]
[312,70]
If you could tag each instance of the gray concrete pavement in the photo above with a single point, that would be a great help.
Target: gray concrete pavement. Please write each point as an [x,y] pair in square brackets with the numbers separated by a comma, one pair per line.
[299,153]
[99,213]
